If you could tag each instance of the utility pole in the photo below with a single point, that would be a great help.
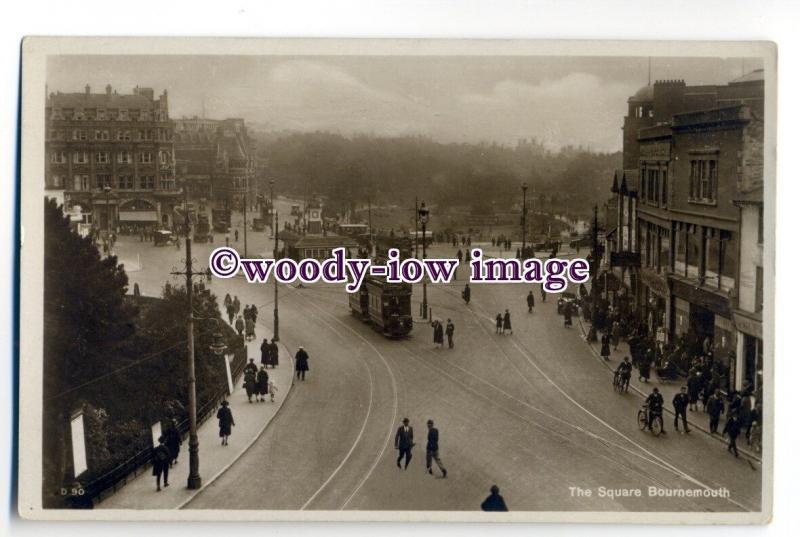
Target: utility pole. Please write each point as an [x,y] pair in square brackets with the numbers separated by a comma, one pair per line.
[595,267]
[416,227]
[423,218]
[194,481]
[524,214]
[244,204]
[369,223]
[275,309]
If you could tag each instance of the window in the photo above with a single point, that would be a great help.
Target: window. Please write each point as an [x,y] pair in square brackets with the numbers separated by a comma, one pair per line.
[123,115]
[146,157]
[101,115]
[102,157]
[101,135]
[104,180]
[126,182]
[57,180]
[58,157]
[124,157]
[694,241]
[147,134]
[729,260]
[166,182]
[164,157]
[703,181]
[124,136]
[56,134]
[759,288]
[713,258]
[663,187]
[79,134]
[80,157]
[147,182]
[81,182]
[680,249]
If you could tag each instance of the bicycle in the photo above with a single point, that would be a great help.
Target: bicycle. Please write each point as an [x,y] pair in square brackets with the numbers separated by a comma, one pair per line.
[656,424]
[620,384]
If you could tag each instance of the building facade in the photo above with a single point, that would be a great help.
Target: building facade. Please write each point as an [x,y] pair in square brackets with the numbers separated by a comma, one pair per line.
[112,157]
[216,161]
[696,154]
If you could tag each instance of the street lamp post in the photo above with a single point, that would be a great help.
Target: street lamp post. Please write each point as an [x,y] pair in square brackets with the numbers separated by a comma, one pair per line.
[244,208]
[275,309]
[272,204]
[423,219]
[107,190]
[524,214]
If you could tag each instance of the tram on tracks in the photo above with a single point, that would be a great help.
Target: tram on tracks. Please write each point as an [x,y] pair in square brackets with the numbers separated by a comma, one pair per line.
[386,306]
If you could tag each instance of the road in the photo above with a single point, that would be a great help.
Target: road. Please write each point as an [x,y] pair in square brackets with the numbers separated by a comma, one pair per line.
[532,412]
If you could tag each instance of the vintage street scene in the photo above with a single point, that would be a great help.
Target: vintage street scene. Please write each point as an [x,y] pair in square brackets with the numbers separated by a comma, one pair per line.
[642,390]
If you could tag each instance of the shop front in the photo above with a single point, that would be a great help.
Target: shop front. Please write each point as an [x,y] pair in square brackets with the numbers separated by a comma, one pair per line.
[749,352]
[653,303]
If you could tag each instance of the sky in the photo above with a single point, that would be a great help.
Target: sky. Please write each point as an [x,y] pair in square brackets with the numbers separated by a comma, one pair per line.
[559,100]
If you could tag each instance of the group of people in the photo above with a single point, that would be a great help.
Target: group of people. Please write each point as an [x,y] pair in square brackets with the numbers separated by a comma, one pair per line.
[404,443]
[165,454]
[257,383]
[502,323]
[439,332]
[504,243]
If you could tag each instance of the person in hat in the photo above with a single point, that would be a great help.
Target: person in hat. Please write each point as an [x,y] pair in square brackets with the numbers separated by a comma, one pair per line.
[432,450]
[403,442]
[494,502]
[507,323]
[250,372]
[451,328]
[225,417]
[262,384]
[301,363]
[531,302]
[172,439]
[161,460]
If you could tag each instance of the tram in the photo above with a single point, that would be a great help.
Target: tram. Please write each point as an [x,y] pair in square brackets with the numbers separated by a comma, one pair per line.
[386,306]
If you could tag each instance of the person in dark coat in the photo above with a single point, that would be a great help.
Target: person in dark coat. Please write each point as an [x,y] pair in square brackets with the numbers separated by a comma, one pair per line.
[432,450]
[530,301]
[250,371]
[273,353]
[732,428]
[231,314]
[172,439]
[262,384]
[679,403]
[451,328]
[605,348]
[498,322]
[301,363]
[161,459]
[265,352]
[254,313]
[438,334]
[403,442]
[225,417]
[466,294]
[239,325]
[236,305]
[695,385]
[250,329]
[544,294]
[567,315]
[494,502]
[715,408]
[507,323]
[644,366]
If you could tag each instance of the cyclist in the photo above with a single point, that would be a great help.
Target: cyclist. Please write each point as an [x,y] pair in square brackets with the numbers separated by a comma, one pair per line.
[624,372]
[654,404]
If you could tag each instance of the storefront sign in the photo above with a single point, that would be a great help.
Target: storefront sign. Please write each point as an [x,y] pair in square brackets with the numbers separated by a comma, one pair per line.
[702,297]
[747,325]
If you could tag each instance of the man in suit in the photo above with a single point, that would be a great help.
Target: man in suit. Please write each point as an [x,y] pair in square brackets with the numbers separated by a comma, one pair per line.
[680,402]
[432,450]
[403,442]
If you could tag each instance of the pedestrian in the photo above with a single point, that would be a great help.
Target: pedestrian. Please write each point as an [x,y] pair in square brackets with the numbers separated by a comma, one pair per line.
[225,418]
[695,384]
[567,315]
[615,329]
[161,460]
[250,372]
[544,294]
[449,331]
[239,325]
[732,428]
[262,384]
[679,403]
[466,294]
[236,235]
[246,312]
[498,321]
[172,439]
[605,348]
[404,442]
[236,305]
[746,413]
[715,408]
[530,301]
[272,389]
[438,334]
[644,367]
[301,363]
[273,354]
[254,313]
[265,352]
[250,329]
[432,450]
[460,256]
[494,502]
[507,323]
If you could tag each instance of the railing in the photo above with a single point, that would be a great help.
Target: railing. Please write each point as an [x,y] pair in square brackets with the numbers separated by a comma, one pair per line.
[107,484]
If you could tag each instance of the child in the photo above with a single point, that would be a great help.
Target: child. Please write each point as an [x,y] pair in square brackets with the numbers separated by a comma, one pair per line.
[272,389]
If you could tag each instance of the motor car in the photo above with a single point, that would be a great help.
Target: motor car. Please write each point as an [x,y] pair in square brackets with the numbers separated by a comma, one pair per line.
[566,298]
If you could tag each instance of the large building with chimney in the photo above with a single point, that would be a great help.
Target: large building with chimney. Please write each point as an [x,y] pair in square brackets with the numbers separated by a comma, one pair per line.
[689,218]
[111,157]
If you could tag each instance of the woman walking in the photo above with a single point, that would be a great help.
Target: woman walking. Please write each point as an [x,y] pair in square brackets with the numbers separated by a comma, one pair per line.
[605,349]
[161,459]
[301,363]
[498,324]
[507,323]
[262,384]
[225,418]
[172,439]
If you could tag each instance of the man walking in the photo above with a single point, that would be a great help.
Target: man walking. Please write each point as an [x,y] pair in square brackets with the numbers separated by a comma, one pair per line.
[403,442]
[432,450]
[451,328]
[530,302]
[679,403]
[715,407]
[301,363]
[732,428]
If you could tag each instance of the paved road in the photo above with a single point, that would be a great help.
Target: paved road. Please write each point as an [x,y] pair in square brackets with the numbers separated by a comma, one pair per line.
[533,412]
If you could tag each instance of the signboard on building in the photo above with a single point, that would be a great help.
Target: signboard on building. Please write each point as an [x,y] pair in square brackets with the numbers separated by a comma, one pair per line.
[79,463]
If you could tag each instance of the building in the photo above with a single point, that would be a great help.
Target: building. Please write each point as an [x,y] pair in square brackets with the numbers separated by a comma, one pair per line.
[695,154]
[112,156]
[215,159]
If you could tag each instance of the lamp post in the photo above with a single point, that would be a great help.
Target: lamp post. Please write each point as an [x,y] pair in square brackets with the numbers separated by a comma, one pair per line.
[423,219]
[524,214]
[275,301]
[244,208]
[107,190]
[272,204]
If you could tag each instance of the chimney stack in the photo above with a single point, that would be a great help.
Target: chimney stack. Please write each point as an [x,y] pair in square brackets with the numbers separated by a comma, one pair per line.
[88,89]
[108,90]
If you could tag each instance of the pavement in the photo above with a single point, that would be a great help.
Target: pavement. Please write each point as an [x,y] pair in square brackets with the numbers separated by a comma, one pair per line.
[698,420]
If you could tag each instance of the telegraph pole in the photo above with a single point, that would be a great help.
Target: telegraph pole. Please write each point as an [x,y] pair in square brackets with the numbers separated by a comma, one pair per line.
[275,309]
[524,214]
[416,227]
[244,200]
[595,268]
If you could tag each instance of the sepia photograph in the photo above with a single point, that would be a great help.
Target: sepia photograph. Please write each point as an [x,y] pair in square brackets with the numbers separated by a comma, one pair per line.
[601,349]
